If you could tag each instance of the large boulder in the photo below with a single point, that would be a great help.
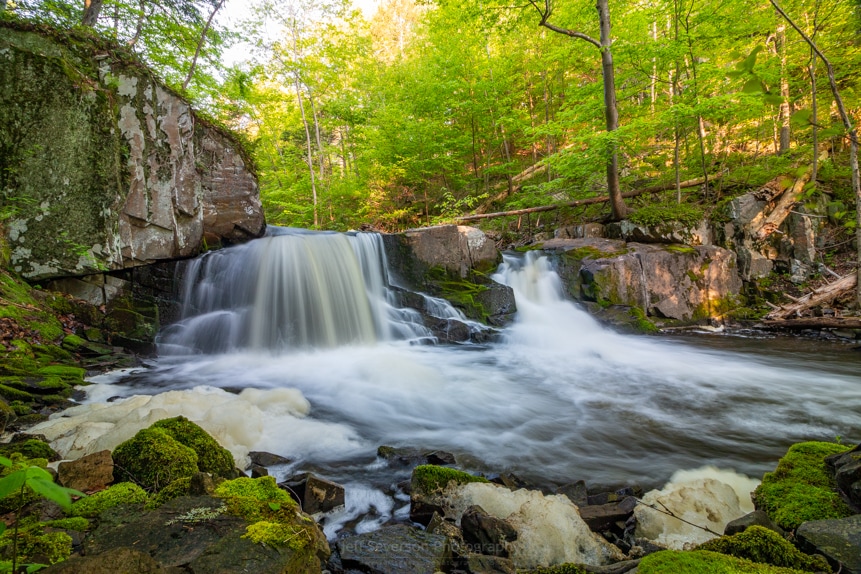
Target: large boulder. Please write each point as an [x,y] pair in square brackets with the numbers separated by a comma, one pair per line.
[675,282]
[458,249]
[103,167]
[839,540]
[396,549]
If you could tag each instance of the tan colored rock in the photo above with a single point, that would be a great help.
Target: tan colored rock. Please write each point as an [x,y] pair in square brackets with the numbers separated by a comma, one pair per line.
[92,472]
[456,248]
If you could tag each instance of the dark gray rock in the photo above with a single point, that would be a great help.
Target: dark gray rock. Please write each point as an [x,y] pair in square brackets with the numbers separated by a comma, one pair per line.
[114,561]
[414,456]
[601,517]
[267,458]
[847,473]
[576,492]
[483,564]
[839,540]
[486,534]
[258,471]
[397,549]
[314,494]
[755,518]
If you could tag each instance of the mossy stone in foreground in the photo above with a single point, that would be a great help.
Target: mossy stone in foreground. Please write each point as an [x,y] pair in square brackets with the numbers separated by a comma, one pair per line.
[428,478]
[30,448]
[256,499]
[759,544]
[153,459]
[177,488]
[800,488]
[211,456]
[120,493]
[704,562]
[560,569]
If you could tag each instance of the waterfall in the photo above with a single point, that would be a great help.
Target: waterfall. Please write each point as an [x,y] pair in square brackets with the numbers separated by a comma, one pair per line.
[292,289]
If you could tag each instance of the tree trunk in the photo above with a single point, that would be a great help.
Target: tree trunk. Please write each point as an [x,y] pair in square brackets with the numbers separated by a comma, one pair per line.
[310,159]
[620,210]
[200,42]
[785,110]
[91,12]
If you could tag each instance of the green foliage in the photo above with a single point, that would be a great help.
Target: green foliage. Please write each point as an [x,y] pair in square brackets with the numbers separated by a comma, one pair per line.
[114,495]
[177,488]
[211,456]
[31,449]
[75,523]
[655,215]
[704,562]
[428,478]
[800,488]
[642,322]
[153,459]
[759,544]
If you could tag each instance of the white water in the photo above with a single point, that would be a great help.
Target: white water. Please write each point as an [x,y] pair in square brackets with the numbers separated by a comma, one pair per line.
[559,399]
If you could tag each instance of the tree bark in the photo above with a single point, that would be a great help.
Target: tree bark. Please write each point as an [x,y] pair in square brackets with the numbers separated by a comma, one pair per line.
[200,42]
[785,110]
[852,132]
[824,294]
[91,12]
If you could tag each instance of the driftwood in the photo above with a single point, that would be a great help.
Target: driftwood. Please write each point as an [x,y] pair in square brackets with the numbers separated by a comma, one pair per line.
[824,294]
[764,225]
[816,323]
[588,201]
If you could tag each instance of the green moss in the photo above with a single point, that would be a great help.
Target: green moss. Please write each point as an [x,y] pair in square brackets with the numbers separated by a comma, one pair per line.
[428,478]
[759,544]
[256,499]
[679,248]
[293,536]
[211,456]
[177,488]
[70,375]
[11,394]
[641,322]
[704,562]
[590,252]
[800,488]
[30,449]
[153,459]
[76,524]
[53,546]
[661,214]
[121,493]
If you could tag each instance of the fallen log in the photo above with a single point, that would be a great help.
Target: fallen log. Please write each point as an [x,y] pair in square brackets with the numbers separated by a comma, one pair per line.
[816,323]
[824,294]
[770,223]
[588,201]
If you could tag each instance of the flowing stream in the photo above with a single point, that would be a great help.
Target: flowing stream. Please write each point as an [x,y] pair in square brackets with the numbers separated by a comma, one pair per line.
[557,399]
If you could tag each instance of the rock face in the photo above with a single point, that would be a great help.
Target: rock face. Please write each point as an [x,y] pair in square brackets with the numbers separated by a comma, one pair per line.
[666,281]
[673,232]
[397,549]
[458,249]
[103,168]
[839,540]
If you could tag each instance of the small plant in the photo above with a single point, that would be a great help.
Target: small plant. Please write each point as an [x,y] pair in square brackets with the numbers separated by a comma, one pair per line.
[39,481]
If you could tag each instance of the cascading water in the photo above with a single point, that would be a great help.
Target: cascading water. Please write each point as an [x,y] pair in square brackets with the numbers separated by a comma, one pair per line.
[559,398]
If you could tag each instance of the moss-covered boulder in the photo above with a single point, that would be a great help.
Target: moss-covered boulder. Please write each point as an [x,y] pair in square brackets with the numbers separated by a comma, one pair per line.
[430,479]
[759,544]
[102,167]
[801,488]
[211,456]
[120,493]
[704,562]
[153,459]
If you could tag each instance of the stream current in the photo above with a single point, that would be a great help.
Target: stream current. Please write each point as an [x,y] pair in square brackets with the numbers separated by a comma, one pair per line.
[556,399]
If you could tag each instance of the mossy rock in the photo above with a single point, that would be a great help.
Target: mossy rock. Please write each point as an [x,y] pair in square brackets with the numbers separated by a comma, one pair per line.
[429,479]
[759,544]
[177,488]
[69,375]
[120,493]
[33,543]
[153,459]
[211,456]
[560,569]
[30,449]
[800,488]
[256,499]
[704,562]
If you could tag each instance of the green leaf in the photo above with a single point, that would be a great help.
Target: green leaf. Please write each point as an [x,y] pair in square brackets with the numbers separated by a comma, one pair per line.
[748,63]
[12,483]
[35,567]
[5,461]
[51,491]
[772,99]
[274,506]
[801,118]
[753,86]
[40,473]
[2,527]
[800,172]
[833,131]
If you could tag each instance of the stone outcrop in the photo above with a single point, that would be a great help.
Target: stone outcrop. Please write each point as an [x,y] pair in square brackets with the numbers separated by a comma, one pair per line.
[676,282]
[839,540]
[104,168]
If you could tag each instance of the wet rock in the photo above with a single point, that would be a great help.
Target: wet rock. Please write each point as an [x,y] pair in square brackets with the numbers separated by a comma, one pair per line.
[601,517]
[447,528]
[839,540]
[847,473]
[114,561]
[414,456]
[510,480]
[483,564]
[576,492]
[257,471]
[267,458]
[315,494]
[755,518]
[672,232]
[202,484]
[580,231]
[92,472]
[395,550]
[485,534]
[458,249]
